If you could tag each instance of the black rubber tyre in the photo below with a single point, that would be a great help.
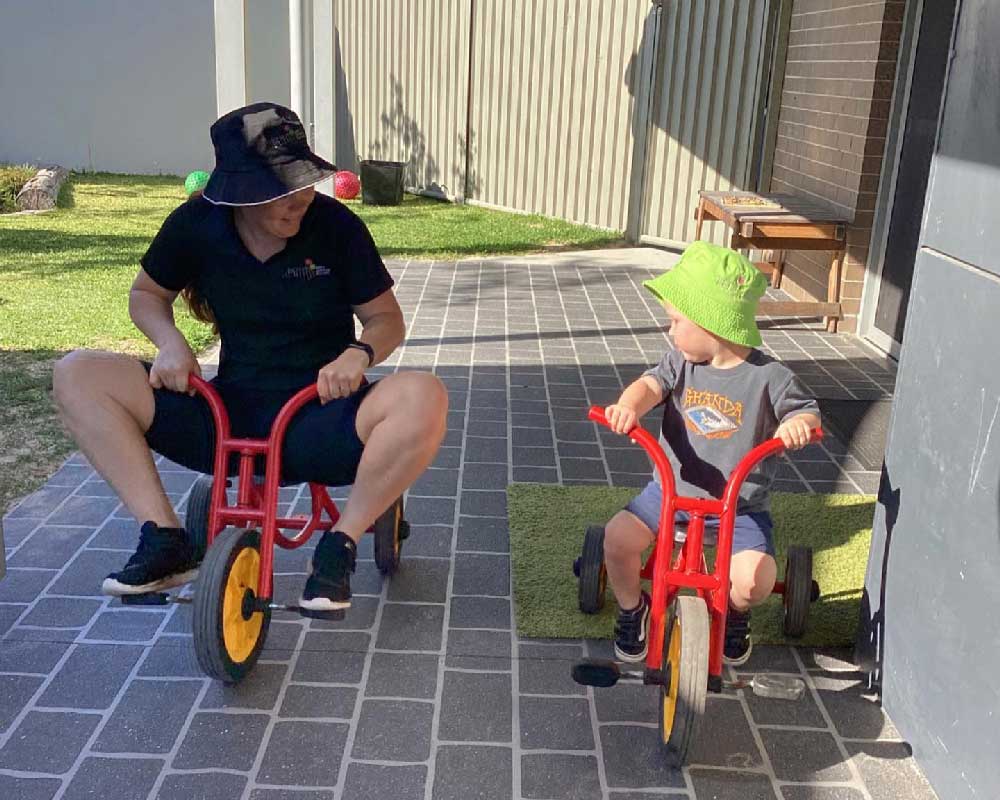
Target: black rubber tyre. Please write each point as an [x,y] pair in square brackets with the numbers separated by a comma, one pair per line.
[798,591]
[389,534]
[228,640]
[685,652]
[196,516]
[591,571]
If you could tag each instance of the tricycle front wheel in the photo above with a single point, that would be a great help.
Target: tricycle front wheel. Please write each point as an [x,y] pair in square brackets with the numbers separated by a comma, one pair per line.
[685,657]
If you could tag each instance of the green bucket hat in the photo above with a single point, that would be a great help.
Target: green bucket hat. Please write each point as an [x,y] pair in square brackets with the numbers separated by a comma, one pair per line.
[717,289]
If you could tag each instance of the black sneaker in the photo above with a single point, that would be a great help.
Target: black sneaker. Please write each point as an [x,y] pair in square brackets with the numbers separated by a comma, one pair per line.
[738,645]
[163,559]
[631,632]
[328,588]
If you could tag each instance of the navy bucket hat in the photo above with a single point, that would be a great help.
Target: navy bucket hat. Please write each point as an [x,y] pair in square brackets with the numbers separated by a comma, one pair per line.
[262,154]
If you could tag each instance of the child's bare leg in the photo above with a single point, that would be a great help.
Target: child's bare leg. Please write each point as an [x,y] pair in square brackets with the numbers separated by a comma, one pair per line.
[752,575]
[625,539]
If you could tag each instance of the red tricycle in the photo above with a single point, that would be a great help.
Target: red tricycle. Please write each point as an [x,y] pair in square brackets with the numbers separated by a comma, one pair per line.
[686,632]
[232,600]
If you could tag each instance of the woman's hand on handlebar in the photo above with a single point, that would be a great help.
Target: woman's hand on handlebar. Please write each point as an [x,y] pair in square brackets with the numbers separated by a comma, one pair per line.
[342,376]
[172,365]
[621,419]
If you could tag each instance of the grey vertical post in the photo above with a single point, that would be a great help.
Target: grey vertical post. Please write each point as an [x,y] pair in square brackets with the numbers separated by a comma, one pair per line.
[324,91]
[230,55]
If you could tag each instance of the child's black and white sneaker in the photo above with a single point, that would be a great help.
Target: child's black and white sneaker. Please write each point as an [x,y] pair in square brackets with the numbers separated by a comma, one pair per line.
[632,632]
[164,559]
[738,645]
[328,588]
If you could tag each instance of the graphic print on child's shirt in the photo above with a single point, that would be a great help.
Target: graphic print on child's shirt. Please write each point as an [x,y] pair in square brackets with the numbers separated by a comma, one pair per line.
[710,414]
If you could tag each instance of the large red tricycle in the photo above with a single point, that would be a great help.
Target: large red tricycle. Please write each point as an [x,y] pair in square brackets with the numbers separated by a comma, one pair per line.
[233,595]
[686,632]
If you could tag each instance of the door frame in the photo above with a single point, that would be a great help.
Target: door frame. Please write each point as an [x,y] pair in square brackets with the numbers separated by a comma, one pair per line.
[887,183]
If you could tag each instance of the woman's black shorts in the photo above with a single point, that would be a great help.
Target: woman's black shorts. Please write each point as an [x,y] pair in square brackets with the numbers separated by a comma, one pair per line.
[321,442]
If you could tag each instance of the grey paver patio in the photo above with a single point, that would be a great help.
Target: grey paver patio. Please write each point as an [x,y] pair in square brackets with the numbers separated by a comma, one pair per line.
[425,690]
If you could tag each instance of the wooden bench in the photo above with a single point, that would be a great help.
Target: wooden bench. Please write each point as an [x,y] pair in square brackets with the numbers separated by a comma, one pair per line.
[778,223]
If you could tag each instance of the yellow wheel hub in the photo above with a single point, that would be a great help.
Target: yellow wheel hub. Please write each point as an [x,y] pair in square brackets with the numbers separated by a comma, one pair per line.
[670,695]
[240,635]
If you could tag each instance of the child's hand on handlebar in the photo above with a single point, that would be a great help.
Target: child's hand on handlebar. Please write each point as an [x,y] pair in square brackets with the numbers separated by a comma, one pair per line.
[796,433]
[620,418]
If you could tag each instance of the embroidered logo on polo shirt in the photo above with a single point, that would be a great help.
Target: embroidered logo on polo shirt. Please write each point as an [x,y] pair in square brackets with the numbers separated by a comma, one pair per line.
[308,271]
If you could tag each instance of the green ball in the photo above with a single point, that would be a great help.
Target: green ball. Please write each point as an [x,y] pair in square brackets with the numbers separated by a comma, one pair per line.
[196,181]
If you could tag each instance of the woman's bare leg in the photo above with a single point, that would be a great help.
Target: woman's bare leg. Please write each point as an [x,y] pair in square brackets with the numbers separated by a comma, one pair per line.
[106,402]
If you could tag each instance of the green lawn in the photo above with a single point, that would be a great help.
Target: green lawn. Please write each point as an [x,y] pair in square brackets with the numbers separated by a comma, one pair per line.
[65,275]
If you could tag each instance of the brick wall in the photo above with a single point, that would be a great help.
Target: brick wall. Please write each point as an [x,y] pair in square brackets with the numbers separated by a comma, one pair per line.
[832,124]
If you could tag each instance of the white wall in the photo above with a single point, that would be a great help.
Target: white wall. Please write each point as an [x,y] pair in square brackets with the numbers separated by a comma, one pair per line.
[115,85]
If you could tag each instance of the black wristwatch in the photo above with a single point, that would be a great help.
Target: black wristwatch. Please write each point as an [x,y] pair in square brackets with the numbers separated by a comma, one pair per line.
[367,348]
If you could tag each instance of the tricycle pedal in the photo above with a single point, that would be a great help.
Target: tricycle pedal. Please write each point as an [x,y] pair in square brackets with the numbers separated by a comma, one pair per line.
[814,593]
[576,567]
[601,672]
[147,599]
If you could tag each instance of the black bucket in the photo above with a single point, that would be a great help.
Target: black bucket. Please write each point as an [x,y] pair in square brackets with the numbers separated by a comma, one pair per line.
[382,182]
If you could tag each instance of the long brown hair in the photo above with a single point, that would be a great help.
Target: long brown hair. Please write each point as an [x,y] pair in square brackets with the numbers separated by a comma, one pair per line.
[195,300]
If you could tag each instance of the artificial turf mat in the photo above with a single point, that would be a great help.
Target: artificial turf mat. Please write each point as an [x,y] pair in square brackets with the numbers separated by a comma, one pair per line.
[547,525]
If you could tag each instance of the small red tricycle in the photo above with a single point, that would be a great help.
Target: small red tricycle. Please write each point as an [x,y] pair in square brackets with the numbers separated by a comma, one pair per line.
[686,632]
[233,594]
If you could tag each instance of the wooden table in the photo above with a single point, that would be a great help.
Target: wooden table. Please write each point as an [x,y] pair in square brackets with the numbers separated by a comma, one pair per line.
[776,223]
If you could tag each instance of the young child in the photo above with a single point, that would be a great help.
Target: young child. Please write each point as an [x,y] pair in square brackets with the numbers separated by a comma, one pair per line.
[722,398]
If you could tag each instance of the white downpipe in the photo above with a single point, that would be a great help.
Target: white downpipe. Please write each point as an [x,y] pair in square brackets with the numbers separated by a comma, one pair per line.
[298,93]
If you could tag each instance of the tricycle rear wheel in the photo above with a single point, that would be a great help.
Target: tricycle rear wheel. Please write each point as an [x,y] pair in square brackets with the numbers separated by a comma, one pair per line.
[196,517]
[798,591]
[591,571]
[389,534]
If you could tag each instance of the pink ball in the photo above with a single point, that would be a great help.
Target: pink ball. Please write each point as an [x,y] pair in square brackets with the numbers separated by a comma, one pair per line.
[346,185]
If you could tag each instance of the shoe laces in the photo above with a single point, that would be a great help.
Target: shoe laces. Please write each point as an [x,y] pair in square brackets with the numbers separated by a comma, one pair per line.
[629,625]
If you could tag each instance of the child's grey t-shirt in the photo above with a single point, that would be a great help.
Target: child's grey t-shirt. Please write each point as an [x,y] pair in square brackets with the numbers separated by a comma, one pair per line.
[713,417]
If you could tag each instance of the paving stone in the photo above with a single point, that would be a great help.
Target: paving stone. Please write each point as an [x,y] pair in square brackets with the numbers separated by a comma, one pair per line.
[367,579]
[221,741]
[430,510]
[283,639]
[360,617]
[820,793]
[533,457]
[85,574]
[480,612]
[35,657]
[484,504]
[428,540]
[303,754]
[479,414]
[410,627]
[202,786]
[91,677]
[328,702]
[402,675]
[769,658]
[478,574]
[555,723]
[171,657]
[647,796]
[485,476]
[436,482]
[289,794]
[479,650]
[583,468]
[393,730]
[766,711]
[485,449]
[24,585]
[15,692]
[462,772]
[545,669]
[633,759]
[60,612]
[142,723]
[47,742]
[627,702]
[329,657]
[559,777]
[421,580]
[731,785]
[90,511]
[475,707]
[829,659]
[535,475]
[132,778]
[126,626]
[804,755]
[50,547]
[367,781]
[41,503]
[889,770]
[70,475]
[259,690]
[29,788]
[725,738]
[855,712]
[13,531]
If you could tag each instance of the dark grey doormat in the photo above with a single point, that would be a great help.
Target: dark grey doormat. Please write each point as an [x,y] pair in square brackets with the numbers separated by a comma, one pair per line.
[862,425]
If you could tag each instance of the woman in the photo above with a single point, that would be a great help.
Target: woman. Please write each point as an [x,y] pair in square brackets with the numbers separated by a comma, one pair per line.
[282,272]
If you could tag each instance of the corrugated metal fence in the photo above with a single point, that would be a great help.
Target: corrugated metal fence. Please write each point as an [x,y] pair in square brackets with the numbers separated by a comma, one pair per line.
[612,113]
